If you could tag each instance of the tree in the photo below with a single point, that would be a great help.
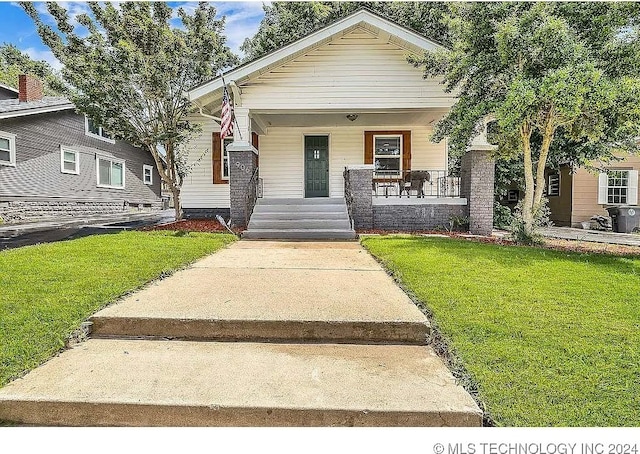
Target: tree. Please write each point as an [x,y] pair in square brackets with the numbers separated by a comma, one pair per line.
[286,22]
[129,70]
[546,72]
[13,62]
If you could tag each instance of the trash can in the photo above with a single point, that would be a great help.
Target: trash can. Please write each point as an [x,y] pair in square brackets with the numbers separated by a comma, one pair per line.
[625,219]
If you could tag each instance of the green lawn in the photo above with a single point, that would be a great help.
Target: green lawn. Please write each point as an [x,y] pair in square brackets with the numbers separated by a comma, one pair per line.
[550,338]
[47,290]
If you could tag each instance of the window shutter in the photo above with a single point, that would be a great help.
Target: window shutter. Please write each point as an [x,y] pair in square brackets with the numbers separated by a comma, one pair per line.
[368,147]
[406,150]
[216,147]
[632,194]
[602,188]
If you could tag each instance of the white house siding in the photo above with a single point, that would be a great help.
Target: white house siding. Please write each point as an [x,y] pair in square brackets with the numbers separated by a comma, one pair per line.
[355,71]
[198,190]
[282,156]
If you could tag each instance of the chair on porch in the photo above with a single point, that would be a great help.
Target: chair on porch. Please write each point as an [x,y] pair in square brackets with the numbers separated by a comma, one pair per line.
[414,181]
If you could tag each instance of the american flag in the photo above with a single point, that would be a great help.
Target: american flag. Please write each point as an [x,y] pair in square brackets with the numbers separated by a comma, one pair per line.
[226,118]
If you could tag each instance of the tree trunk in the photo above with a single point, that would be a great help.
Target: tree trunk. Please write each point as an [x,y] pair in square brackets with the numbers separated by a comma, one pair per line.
[177,203]
[527,204]
[542,162]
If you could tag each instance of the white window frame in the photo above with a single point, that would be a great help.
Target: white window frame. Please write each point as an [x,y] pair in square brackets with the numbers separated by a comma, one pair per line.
[111,160]
[64,149]
[146,167]
[388,136]
[12,148]
[98,136]
[224,158]
[631,187]
[549,177]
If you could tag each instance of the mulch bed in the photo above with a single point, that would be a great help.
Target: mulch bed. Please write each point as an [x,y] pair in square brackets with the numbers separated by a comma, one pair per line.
[193,225]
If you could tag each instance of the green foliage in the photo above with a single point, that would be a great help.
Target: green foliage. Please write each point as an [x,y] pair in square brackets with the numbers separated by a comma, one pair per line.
[13,62]
[548,80]
[502,216]
[285,22]
[48,290]
[520,60]
[129,70]
[550,337]
[530,235]
[458,223]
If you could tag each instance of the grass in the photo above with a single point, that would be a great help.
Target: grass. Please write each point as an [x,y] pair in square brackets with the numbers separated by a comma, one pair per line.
[47,290]
[549,338]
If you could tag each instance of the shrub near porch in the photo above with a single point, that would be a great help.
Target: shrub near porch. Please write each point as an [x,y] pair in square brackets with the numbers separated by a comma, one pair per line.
[47,290]
[551,338]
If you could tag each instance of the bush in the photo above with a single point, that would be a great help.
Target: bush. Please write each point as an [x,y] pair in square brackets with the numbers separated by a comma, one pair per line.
[458,223]
[540,219]
[502,216]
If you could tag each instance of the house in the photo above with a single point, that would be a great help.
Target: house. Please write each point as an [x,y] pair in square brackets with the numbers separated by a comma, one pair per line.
[55,162]
[7,92]
[575,195]
[339,108]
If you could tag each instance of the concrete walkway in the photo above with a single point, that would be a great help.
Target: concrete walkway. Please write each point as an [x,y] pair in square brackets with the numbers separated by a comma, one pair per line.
[596,236]
[261,333]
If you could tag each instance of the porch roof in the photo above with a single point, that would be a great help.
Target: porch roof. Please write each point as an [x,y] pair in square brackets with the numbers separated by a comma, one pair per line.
[394,33]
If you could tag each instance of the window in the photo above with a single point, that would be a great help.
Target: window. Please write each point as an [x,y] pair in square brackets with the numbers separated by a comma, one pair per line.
[147,174]
[553,185]
[93,130]
[69,161]
[7,149]
[513,195]
[110,173]
[225,157]
[387,154]
[617,187]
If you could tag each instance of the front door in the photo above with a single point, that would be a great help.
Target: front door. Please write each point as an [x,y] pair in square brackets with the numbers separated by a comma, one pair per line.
[316,166]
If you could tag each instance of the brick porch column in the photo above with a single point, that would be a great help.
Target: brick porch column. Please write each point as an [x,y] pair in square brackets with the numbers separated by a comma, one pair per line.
[243,160]
[477,175]
[361,180]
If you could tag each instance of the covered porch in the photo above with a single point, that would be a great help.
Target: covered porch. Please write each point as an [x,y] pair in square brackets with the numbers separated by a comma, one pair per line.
[303,153]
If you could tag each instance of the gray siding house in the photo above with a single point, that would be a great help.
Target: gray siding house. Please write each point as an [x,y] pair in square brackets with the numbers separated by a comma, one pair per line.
[56,163]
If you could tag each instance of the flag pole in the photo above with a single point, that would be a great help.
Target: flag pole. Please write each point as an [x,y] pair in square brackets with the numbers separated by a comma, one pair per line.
[233,111]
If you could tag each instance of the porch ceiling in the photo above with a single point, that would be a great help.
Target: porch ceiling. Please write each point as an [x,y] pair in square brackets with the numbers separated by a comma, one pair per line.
[339,118]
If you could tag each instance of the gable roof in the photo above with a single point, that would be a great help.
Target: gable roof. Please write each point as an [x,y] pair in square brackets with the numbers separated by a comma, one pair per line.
[11,108]
[394,33]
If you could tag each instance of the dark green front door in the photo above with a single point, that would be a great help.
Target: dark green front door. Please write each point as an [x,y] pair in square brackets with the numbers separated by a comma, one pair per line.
[316,166]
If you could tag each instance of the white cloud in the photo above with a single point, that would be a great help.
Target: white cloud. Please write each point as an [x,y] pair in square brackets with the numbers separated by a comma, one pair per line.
[46,55]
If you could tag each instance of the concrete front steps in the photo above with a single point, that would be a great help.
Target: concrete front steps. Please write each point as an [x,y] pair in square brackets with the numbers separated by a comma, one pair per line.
[339,344]
[320,218]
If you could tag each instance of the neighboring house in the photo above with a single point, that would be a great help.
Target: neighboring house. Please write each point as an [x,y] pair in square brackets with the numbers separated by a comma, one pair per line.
[576,196]
[343,96]
[55,162]
[7,92]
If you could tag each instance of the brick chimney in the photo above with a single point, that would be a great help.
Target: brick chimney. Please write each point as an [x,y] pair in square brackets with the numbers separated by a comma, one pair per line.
[30,88]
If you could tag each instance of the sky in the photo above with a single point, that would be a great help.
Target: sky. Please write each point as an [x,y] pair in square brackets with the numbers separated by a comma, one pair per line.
[17,28]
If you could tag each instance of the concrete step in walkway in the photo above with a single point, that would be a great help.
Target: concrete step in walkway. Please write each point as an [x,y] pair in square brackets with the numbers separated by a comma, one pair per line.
[323,294]
[311,219]
[174,383]
[338,346]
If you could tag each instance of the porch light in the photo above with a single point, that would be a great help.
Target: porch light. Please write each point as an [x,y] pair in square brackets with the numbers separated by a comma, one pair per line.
[352,117]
